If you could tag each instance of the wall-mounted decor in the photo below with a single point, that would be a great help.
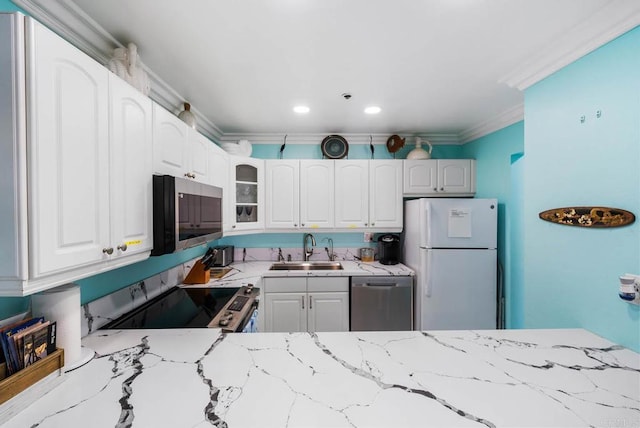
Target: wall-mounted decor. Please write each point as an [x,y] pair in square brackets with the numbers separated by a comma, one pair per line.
[597,217]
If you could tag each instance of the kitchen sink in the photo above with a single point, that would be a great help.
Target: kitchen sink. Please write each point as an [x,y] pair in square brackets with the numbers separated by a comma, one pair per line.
[306,266]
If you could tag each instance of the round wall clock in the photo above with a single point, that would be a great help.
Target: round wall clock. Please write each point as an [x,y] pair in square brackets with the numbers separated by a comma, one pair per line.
[334,147]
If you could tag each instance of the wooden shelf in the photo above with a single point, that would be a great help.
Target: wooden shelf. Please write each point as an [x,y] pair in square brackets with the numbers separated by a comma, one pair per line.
[18,382]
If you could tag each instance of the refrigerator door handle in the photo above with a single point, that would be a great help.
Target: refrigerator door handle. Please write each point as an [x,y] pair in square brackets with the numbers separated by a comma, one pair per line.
[425,227]
[427,263]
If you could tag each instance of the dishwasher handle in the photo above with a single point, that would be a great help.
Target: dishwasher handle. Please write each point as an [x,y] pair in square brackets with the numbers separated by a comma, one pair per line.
[381,284]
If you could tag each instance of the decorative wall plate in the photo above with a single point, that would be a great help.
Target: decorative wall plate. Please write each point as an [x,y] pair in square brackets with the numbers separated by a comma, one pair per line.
[594,217]
[334,147]
[395,143]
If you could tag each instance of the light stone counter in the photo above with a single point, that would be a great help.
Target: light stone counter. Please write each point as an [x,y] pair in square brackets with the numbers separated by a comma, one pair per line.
[243,273]
[201,378]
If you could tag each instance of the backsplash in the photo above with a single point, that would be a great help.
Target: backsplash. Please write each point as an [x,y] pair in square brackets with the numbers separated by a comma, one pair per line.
[320,253]
[99,312]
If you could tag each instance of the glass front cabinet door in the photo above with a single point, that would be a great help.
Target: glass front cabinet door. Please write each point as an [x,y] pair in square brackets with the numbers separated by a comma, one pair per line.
[247,194]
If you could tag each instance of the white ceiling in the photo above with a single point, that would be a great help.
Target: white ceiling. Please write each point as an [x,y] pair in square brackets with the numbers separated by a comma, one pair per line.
[433,66]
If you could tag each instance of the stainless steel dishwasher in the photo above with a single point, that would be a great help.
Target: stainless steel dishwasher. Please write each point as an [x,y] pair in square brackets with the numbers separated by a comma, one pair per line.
[381,303]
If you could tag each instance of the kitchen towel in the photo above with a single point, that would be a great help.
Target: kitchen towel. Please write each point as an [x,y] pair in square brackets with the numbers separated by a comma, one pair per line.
[62,304]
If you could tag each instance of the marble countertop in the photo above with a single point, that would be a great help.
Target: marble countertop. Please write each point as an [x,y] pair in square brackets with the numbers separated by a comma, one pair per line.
[243,273]
[202,378]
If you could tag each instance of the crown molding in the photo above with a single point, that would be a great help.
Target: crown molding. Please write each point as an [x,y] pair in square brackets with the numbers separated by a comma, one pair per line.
[316,138]
[506,118]
[611,21]
[66,19]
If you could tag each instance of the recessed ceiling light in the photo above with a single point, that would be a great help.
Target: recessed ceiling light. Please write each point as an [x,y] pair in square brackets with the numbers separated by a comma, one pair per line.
[373,110]
[301,109]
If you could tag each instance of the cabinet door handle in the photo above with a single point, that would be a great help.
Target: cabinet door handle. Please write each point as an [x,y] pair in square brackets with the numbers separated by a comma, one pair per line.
[435,189]
[233,227]
[442,189]
[122,247]
[295,225]
[310,302]
[366,224]
[302,225]
[302,302]
[373,224]
[108,251]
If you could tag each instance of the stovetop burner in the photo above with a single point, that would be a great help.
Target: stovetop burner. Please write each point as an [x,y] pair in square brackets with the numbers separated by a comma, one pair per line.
[190,308]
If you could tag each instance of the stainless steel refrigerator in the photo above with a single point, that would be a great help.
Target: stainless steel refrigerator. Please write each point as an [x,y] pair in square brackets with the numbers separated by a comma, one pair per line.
[451,245]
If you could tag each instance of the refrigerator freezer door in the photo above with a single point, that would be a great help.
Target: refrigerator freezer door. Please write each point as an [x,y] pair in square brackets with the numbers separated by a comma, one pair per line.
[457,289]
[458,223]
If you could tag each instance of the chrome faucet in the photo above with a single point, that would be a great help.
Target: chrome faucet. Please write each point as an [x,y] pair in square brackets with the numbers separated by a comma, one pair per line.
[308,252]
[329,250]
[280,256]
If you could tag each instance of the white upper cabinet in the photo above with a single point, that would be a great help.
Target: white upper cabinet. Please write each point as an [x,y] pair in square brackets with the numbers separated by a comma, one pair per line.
[456,176]
[179,150]
[385,195]
[246,194]
[219,177]
[67,115]
[439,177]
[79,198]
[198,148]
[316,194]
[282,194]
[351,194]
[131,169]
[170,143]
[369,194]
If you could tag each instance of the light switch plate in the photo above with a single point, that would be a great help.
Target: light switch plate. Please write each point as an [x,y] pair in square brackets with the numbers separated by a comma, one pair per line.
[368,237]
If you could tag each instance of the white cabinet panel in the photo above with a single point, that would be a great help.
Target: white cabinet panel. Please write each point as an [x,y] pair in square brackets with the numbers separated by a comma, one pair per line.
[439,177]
[352,194]
[69,155]
[285,312]
[306,304]
[169,143]
[454,175]
[219,177]
[316,194]
[385,194]
[198,147]
[77,149]
[328,312]
[130,169]
[282,184]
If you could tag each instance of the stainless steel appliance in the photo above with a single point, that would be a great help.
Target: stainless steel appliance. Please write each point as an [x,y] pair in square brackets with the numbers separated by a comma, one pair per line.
[451,246]
[224,255]
[185,214]
[381,303]
[231,309]
[389,249]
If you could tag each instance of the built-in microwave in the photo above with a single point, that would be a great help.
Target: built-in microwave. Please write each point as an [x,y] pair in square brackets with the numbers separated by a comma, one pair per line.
[185,214]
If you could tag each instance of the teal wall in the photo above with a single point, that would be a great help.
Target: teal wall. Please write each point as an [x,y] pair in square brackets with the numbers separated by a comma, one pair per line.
[493,154]
[7,6]
[570,273]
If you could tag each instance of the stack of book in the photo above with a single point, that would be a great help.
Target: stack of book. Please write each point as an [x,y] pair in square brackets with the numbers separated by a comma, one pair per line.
[25,342]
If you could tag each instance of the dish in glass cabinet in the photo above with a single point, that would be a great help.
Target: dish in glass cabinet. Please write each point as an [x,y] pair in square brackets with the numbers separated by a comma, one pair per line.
[334,147]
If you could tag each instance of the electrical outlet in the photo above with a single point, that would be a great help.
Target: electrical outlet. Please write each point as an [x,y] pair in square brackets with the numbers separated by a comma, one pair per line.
[368,237]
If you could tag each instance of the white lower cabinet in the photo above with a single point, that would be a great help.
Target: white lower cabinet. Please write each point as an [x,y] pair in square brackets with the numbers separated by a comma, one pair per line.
[298,304]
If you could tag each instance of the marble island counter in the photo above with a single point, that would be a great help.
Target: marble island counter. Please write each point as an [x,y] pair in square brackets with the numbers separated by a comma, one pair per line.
[198,378]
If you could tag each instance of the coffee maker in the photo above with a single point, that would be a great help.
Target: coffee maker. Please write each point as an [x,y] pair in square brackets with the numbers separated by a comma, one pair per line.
[389,249]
